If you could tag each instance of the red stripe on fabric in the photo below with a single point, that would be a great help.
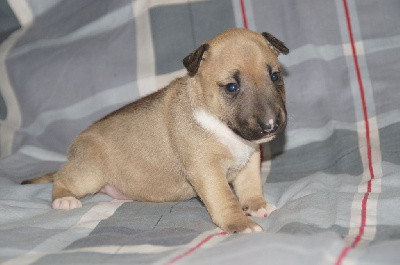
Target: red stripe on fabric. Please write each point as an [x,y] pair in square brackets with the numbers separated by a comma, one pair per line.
[243,14]
[190,251]
[357,239]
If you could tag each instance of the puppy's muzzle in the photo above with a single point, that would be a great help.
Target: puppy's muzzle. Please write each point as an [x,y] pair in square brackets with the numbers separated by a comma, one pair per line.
[273,125]
[270,127]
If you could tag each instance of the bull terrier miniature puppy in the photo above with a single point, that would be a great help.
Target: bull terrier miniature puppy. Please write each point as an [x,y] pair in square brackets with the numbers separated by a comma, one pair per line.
[191,138]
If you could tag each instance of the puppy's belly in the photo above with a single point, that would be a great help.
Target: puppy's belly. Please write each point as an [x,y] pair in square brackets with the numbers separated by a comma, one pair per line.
[164,194]
[114,193]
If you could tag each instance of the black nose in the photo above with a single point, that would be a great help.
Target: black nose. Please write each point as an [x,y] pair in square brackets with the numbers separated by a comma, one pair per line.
[270,126]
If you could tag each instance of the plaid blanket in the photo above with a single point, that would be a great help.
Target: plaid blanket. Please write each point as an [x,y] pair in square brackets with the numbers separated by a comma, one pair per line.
[334,174]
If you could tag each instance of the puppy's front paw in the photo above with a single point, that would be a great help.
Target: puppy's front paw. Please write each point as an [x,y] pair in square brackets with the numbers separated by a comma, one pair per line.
[241,225]
[66,203]
[258,207]
[270,208]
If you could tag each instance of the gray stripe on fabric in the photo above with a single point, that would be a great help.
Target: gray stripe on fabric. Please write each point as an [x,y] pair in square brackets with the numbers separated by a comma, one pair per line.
[383,21]
[385,81]
[178,30]
[303,136]
[16,237]
[99,258]
[298,24]
[339,154]
[109,22]
[67,17]
[114,96]
[172,34]
[8,24]
[3,108]
[43,6]
[298,137]
[8,21]
[60,133]
[389,200]
[42,154]
[121,236]
[138,223]
[390,143]
[312,202]
[211,18]
[332,52]
[88,218]
[237,11]
[321,89]
[296,228]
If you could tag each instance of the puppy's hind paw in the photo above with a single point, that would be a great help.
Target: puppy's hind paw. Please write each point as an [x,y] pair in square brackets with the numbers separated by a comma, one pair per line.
[66,203]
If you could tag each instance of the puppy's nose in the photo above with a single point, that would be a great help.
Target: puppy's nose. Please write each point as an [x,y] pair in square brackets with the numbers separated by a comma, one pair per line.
[270,126]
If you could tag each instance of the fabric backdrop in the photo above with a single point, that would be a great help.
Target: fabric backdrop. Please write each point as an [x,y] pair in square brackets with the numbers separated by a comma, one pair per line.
[334,174]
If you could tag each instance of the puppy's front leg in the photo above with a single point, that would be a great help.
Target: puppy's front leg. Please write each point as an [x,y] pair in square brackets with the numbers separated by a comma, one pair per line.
[213,188]
[249,188]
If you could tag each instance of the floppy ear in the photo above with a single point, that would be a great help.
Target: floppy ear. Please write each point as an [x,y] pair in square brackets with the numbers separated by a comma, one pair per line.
[192,61]
[276,44]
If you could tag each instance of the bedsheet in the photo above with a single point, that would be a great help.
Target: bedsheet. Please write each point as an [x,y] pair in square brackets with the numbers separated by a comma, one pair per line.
[334,175]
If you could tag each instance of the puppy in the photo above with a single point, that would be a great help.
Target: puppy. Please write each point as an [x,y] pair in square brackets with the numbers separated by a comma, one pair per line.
[192,138]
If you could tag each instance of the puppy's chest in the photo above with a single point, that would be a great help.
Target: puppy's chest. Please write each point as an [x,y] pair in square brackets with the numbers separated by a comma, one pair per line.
[240,149]
[240,152]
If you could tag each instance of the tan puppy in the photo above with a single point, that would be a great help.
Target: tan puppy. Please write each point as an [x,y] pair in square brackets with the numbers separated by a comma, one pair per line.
[191,138]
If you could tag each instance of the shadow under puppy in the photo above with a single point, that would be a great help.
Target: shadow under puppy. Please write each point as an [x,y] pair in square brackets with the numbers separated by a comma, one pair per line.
[191,138]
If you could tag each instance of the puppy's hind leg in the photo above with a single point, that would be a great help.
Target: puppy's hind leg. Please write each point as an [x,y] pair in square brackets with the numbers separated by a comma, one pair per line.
[72,183]
[82,175]
[75,180]
[63,198]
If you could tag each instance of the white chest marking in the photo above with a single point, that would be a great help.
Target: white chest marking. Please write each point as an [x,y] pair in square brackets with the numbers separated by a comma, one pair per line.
[241,149]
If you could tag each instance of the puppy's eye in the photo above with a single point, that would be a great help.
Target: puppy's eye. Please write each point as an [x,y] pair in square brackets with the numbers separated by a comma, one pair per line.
[232,87]
[275,77]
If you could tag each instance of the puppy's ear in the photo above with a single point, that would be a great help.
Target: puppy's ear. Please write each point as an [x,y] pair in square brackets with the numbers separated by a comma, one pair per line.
[275,44]
[192,61]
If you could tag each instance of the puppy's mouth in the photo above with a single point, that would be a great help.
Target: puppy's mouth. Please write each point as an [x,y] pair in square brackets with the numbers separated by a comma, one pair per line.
[262,135]
[255,137]
[266,138]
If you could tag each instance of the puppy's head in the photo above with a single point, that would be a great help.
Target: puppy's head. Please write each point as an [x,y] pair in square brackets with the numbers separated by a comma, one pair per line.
[238,79]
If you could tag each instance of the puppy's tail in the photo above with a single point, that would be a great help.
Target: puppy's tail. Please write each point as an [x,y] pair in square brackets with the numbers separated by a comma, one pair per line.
[41,179]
